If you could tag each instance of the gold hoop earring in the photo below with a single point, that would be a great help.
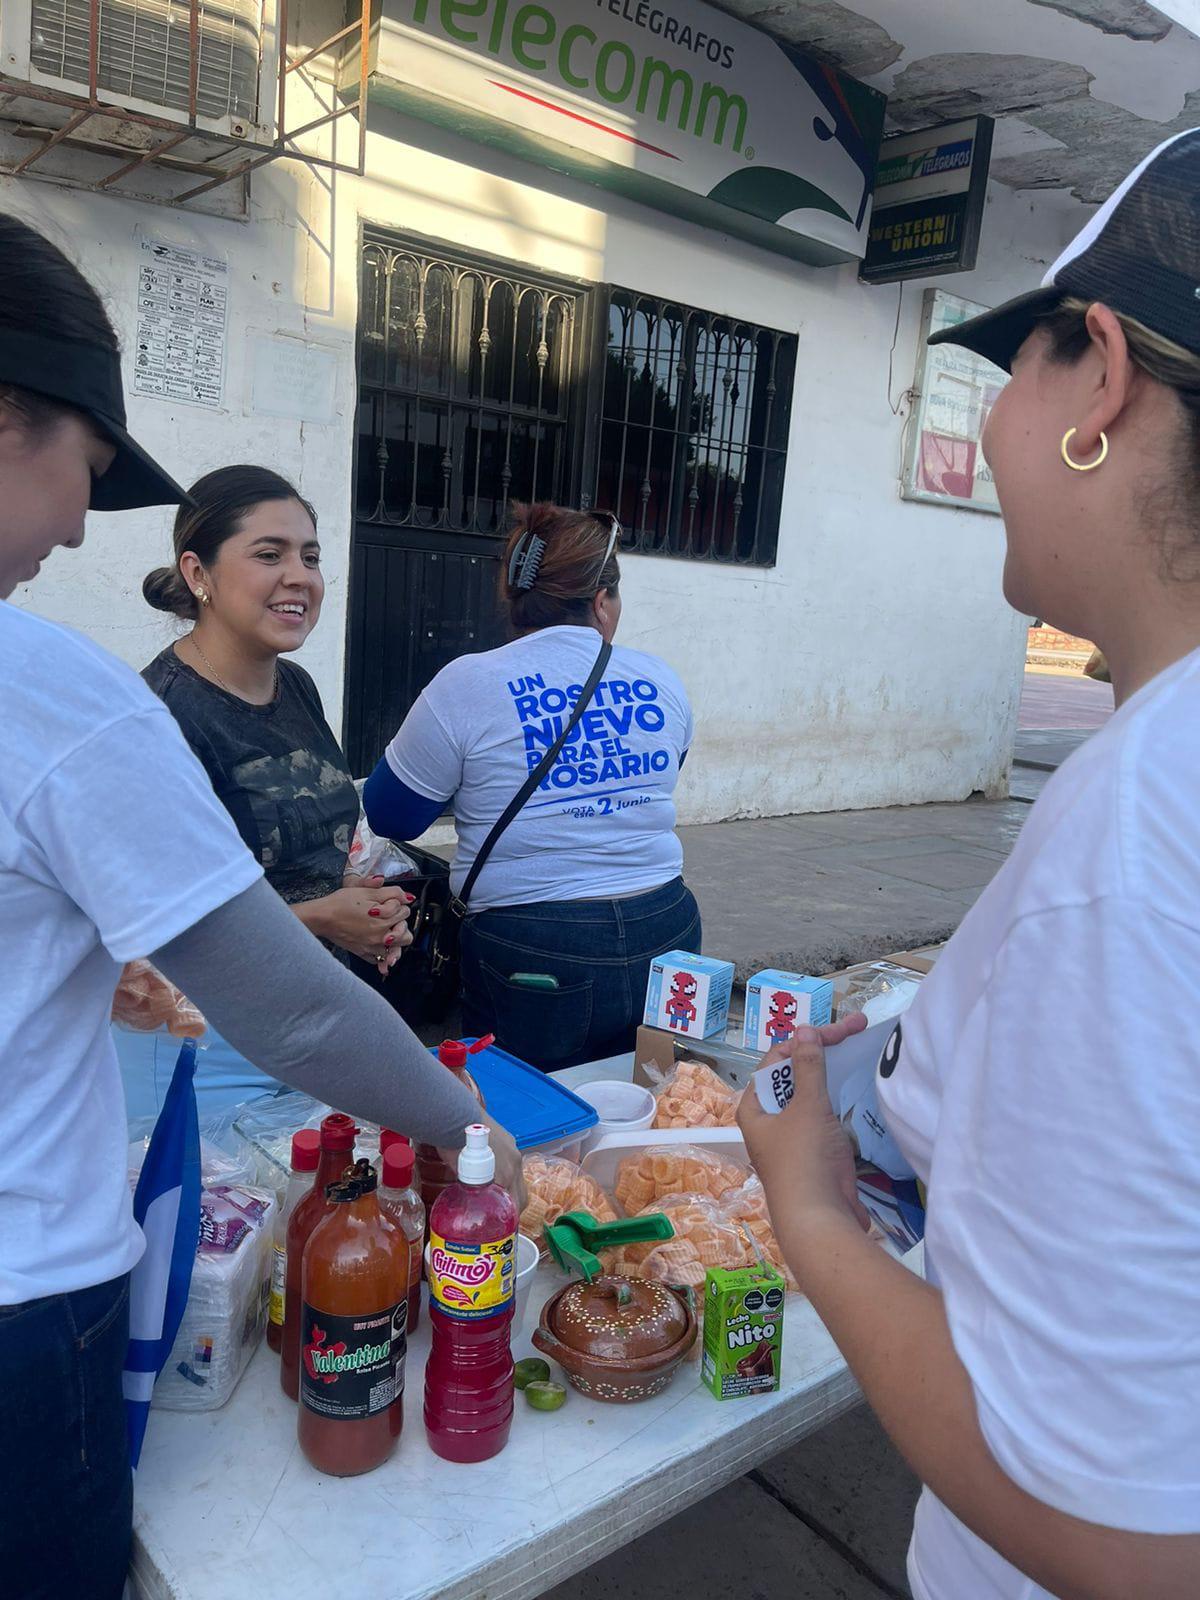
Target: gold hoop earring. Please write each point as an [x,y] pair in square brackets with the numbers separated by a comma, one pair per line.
[1083,466]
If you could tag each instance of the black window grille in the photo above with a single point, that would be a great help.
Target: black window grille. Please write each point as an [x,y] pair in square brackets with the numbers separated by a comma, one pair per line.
[693,430]
[466,392]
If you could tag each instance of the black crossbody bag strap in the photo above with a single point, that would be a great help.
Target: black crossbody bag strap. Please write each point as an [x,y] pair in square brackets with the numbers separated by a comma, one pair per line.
[459,903]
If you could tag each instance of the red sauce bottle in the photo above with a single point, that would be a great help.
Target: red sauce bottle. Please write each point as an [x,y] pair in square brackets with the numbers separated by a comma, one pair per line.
[402,1204]
[472,1279]
[353,1339]
[433,1175]
[337,1153]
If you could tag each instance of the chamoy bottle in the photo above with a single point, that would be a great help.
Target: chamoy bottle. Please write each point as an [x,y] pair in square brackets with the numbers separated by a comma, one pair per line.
[402,1203]
[472,1275]
[306,1156]
[337,1153]
[353,1331]
[433,1175]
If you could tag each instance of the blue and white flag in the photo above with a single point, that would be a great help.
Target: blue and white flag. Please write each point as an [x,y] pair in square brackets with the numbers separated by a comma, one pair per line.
[166,1205]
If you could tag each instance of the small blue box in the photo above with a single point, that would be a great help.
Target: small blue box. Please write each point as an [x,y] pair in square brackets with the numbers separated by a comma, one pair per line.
[689,995]
[777,1003]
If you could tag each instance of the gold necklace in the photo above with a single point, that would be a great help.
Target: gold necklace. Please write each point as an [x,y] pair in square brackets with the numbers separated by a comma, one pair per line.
[221,681]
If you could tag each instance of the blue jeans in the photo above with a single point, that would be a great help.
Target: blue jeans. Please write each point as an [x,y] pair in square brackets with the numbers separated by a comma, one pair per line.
[67,1516]
[599,951]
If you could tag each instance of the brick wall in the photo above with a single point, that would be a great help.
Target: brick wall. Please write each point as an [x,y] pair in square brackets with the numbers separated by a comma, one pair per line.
[1049,641]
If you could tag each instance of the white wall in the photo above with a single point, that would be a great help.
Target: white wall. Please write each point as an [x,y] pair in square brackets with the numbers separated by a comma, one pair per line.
[876,663]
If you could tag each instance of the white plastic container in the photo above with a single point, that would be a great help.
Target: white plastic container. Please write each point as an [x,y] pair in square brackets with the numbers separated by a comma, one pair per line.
[528,1257]
[621,1107]
[602,1162]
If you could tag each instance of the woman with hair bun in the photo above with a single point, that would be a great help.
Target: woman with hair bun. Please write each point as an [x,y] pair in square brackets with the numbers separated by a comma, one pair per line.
[584,887]
[247,576]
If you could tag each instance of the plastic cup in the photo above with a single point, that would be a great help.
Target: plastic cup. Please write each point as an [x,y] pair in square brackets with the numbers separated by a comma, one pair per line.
[622,1108]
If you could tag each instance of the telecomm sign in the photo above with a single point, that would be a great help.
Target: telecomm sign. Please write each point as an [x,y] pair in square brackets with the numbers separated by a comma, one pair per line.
[674,104]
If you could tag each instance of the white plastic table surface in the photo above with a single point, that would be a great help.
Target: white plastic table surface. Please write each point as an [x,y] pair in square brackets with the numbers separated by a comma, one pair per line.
[227,1508]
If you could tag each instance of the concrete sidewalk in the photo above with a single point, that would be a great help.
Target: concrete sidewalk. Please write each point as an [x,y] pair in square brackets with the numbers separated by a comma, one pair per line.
[815,893]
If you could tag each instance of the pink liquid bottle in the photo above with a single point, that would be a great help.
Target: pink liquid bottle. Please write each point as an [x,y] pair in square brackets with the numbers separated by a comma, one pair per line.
[472,1276]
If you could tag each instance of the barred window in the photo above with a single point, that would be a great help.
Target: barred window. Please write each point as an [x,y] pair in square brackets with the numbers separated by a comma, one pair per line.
[694,429]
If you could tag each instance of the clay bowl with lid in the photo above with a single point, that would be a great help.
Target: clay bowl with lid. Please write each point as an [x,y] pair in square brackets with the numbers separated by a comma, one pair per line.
[617,1339]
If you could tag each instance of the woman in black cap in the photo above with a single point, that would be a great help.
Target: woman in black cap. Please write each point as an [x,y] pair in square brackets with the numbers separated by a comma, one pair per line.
[1045,1380]
[113,847]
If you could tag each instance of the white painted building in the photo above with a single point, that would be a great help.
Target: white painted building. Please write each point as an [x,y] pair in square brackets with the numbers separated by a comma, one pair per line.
[874,661]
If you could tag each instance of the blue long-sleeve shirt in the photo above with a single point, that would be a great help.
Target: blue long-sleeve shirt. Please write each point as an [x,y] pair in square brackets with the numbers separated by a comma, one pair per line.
[393,810]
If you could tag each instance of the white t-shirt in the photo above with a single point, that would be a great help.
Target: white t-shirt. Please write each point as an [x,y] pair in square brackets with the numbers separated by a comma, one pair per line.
[602,822]
[111,844]
[1046,1087]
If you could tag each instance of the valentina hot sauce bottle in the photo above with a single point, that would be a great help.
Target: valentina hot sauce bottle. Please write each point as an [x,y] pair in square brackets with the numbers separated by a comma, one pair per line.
[472,1276]
[337,1154]
[354,1295]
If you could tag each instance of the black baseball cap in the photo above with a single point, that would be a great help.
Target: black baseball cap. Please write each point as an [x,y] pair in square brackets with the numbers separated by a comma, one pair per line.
[88,377]
[1139,255]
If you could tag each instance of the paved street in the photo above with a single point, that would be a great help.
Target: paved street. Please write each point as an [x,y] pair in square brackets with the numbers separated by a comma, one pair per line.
[1059,712]
[1061,700]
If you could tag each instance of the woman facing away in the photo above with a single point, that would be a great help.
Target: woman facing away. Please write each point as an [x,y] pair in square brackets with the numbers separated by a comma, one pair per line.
[246,576]
[584,888]
[1044,1381]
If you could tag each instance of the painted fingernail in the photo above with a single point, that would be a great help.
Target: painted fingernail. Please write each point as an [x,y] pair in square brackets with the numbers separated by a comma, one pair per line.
[375,912]
[411,898]
[389,942]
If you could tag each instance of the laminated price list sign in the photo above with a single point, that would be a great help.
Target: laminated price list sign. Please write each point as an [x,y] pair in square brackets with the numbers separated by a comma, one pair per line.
[179,351]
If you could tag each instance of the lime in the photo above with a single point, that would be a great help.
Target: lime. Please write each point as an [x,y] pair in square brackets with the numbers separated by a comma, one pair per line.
[530,1371]
[543,1396]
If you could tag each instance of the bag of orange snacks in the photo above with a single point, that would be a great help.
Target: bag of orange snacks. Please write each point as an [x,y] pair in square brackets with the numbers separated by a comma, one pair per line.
[695,1097]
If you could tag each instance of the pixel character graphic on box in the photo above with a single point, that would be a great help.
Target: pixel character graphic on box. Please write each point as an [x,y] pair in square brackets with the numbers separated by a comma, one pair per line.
[777,1003]
[689,994]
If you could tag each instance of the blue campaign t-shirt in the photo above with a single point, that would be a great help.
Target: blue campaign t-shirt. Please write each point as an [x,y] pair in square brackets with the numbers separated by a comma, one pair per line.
[602,822]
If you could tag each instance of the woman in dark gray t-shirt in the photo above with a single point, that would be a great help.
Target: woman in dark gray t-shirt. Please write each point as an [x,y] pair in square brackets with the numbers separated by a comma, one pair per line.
[247,576]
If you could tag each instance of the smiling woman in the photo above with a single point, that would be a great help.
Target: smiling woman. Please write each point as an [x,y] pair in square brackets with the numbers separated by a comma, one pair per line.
[247,576]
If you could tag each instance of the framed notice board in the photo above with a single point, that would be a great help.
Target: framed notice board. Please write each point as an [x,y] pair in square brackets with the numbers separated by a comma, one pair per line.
[955,391]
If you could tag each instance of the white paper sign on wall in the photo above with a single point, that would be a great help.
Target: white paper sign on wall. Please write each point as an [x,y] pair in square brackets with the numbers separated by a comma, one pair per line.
[291,378]
[182,308]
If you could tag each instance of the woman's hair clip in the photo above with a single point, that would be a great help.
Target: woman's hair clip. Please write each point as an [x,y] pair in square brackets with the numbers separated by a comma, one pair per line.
[525,561]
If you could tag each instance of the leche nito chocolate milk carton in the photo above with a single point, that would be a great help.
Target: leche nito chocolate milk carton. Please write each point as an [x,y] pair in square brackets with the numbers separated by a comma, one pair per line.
[743,1331]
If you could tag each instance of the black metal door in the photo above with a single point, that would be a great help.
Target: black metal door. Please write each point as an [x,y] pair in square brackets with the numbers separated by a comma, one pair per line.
[470,396]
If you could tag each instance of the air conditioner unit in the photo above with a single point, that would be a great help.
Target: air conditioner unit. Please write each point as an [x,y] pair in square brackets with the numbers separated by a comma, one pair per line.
[144,57]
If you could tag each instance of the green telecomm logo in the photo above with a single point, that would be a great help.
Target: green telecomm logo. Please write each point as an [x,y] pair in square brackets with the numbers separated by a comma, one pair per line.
[611,70]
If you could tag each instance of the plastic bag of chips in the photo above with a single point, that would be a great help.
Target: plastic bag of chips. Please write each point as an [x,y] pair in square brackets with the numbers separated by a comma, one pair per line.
[145,1001]
[554,1185]
[703,1238]
[746,1210]
[652,1174]
[693,1096]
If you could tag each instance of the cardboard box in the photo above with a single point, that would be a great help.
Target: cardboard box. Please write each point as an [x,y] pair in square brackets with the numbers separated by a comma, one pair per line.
[911,965]
[743,1331]
[657,1051]
[689,994]
[777,1003]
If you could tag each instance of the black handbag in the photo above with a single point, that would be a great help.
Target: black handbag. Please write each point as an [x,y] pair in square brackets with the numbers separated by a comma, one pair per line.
[448,934]
[411,988]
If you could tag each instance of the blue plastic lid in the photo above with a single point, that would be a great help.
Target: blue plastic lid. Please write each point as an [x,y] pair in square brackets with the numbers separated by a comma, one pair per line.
[534,1108]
